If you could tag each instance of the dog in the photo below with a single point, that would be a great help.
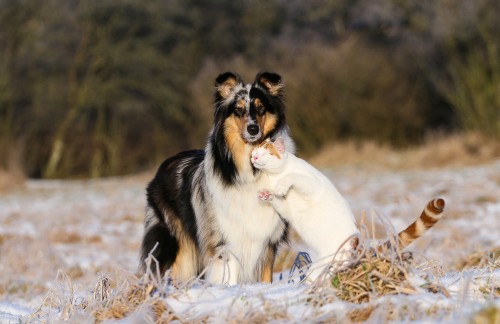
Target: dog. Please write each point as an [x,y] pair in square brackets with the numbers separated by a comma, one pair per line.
[203,217]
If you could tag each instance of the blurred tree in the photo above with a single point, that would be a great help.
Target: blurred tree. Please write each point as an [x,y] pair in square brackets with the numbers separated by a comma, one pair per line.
[119,73]
[96,88]
[17,26]
[469,78]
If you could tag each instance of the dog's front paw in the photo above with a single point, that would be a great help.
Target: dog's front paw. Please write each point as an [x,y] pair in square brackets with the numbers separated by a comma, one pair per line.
[265,195]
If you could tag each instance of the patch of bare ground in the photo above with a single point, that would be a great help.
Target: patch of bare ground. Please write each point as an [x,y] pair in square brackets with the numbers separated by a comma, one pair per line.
[11,178]
[11,171]
[70,237]
[437,152]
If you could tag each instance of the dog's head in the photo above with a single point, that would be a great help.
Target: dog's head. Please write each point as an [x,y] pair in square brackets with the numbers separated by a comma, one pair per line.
[252,112]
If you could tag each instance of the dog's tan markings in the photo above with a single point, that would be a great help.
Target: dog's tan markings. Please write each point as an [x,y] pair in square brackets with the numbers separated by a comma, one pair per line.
[267,123]
[232,133]
[258,104]
[240,108]
[241,103]
[268,266]
[267,273]
[186,262]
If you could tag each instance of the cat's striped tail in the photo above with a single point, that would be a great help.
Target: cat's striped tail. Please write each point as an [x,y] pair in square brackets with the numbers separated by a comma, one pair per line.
[431,214]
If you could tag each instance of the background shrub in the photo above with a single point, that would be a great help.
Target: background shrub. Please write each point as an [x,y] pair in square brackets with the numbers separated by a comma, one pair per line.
[99,88]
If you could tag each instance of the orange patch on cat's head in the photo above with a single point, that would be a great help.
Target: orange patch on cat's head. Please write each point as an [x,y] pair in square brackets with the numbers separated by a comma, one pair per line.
[268,145]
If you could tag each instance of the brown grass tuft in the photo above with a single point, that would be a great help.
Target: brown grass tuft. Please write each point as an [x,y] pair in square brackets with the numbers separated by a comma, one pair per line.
[118,304]
[372,275]
[361,314]
[373,271]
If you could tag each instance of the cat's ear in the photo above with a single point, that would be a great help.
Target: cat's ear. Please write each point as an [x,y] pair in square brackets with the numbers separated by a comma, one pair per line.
[279,144]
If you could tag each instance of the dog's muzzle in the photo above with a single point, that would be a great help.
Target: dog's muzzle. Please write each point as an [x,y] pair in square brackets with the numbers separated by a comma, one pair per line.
[253,130]
[252,133]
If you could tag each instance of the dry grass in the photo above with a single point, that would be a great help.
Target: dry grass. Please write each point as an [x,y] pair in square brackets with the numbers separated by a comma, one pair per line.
[374,287]
[371,274]
[119,304]
[370,277]
[481,259]
[375,270]
[374,273]
[454,150]
[112,299]
[488,315]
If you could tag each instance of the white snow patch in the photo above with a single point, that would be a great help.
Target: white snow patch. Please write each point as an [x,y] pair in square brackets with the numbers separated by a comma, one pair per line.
[13,313]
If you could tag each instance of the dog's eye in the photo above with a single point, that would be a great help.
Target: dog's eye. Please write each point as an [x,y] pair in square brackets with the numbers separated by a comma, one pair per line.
[239,111]
[261,109]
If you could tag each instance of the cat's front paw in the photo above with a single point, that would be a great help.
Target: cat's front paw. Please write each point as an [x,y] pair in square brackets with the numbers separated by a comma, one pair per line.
[265,195]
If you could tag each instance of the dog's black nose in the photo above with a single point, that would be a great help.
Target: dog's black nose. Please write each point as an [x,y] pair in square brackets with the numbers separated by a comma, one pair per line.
[253,129]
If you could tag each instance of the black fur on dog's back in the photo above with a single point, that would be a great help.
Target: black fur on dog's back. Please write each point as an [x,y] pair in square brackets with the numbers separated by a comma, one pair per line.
[169,193]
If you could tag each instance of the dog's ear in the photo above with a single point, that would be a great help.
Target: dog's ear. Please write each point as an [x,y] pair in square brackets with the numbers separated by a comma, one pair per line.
[271,82]
[225,83]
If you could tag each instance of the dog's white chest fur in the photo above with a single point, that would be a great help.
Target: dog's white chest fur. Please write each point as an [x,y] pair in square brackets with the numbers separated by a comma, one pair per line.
[246,223]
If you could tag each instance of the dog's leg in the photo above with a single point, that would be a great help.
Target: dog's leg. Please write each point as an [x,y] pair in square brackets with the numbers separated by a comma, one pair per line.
[159,243]
[267,268]
[186,263]
[267,271]
[267,265]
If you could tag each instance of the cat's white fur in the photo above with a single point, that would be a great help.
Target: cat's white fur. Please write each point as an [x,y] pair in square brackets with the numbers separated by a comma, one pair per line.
[309,201]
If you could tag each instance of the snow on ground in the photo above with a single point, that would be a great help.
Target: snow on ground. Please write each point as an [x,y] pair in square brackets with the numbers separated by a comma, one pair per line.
[11,313]
[81,230]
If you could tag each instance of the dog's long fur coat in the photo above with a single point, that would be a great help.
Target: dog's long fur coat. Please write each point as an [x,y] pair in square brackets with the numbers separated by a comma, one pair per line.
[203,213]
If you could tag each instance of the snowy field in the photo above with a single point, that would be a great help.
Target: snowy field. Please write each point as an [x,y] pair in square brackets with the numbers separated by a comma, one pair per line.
[68,247]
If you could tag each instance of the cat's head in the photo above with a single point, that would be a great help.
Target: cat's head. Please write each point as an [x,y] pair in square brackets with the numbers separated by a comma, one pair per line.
[270,156]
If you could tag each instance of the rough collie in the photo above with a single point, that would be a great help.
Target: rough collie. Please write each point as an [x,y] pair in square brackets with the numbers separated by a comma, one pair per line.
[203,215]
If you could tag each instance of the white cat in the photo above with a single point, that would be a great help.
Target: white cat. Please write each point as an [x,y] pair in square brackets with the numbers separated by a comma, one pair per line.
[309,201]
